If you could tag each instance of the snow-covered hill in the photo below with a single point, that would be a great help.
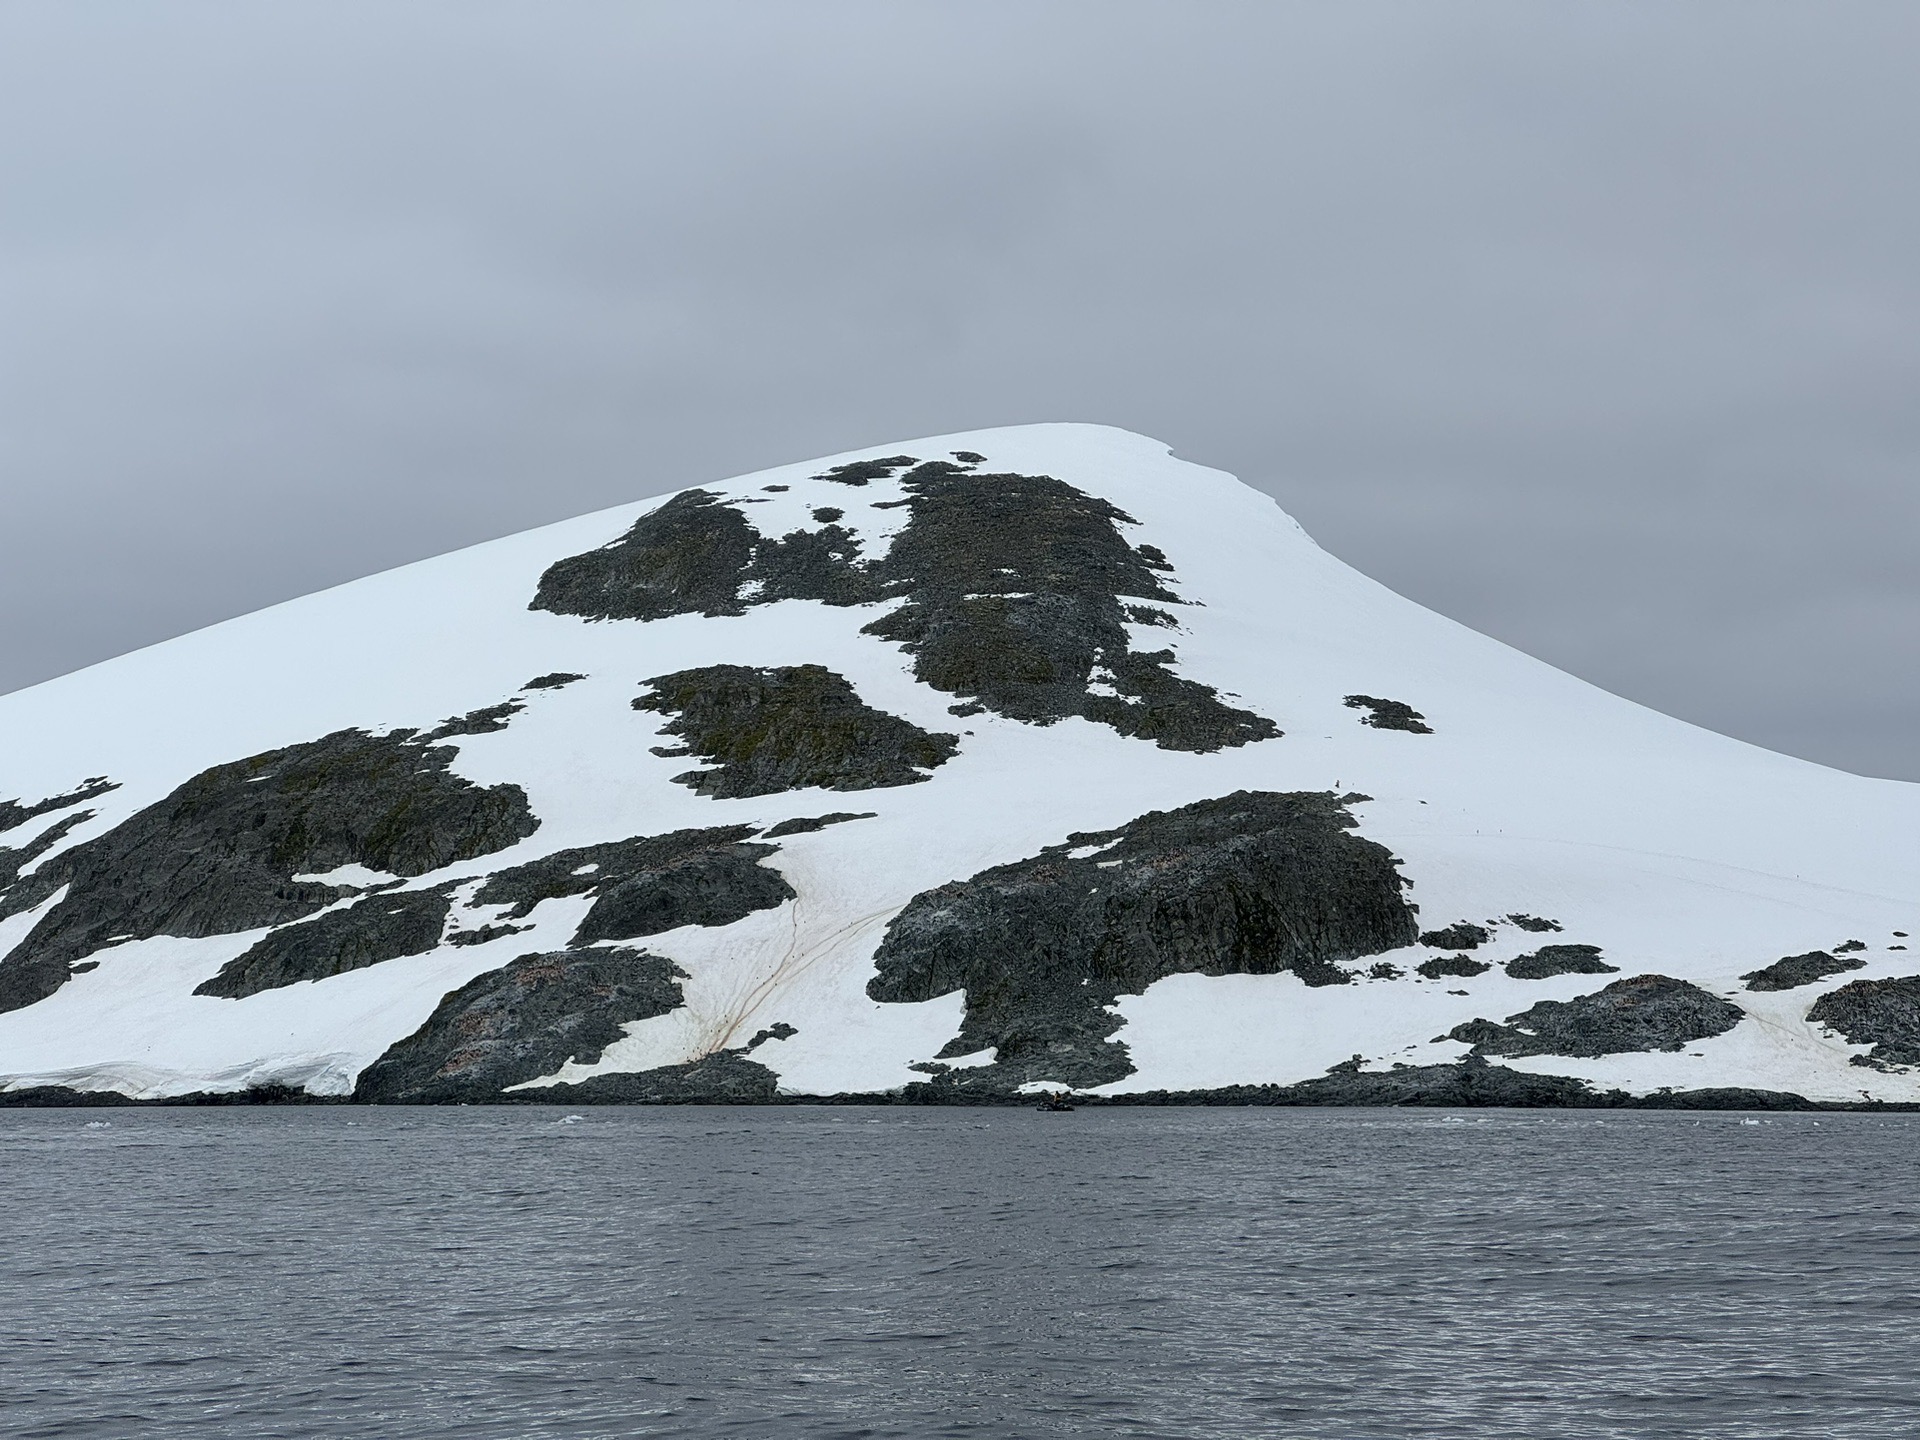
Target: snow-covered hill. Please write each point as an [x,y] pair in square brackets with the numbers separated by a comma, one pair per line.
[981,764]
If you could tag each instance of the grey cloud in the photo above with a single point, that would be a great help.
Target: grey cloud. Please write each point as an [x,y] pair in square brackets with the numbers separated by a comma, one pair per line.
[1593,326]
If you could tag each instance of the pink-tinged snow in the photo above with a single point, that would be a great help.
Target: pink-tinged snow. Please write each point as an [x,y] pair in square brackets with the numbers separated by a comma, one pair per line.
[1677,851]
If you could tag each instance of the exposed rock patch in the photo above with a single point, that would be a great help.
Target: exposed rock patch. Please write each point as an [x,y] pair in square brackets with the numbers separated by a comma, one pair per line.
[17,899]
[1389,714]
[1551,960]
[1647,1012]
[649,884]
[13,813]
[1011,589]
[1882,1013]
[380,927]
[219,854]
[726,1077]
[1794,971]
[860,472]
[806,825]
[552,681]
[1533,923]
[821,564]
[1441,966]
[1252,883]
[520,1022]
[787,728]
[483,721]
[1461,936]
[688,557]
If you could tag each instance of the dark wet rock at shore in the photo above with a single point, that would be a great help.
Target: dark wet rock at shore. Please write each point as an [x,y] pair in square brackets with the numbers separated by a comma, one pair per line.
[520,1022]
[648,884]
[787,728]
[1794,971]
[377,928]
[219,854]
[1882,1013]
[1252,883]
[484,721]
[1552,960]
[1645,1013]
[726,1077]
[1389,714]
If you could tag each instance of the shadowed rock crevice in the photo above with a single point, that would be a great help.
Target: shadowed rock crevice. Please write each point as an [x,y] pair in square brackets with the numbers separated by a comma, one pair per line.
[367,932]
[220,853]
[787,728]
[1253,883]
[1551,960]
[520,1022]
[1794,971]
[1012,589]
[1389,714]
[650,884]
[1645,1013]
[1882,1013]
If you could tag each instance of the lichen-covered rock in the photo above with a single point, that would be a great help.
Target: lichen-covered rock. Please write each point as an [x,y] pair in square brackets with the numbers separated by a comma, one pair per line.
[688,557]
[378,928]
[1251,883]
[1460,936]
[786,728]
[649,884]
[1647,1012]
[219,854]
[1441,966]
[520,1022]
[1551,960]
[1793,971]
[1389,714]
[1012,588]
[1882,1013]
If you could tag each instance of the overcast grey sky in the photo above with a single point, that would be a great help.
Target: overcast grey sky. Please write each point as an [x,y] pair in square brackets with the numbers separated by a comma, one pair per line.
[1594,326]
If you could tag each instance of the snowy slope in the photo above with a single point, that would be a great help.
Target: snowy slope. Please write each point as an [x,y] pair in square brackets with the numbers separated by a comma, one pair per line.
[1674,851]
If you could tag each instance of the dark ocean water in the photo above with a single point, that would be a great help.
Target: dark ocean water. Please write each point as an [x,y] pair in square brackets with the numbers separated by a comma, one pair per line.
[862,1272]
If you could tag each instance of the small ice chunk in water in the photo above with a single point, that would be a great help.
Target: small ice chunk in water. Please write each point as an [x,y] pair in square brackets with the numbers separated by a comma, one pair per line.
[570,1119]
[99,1124]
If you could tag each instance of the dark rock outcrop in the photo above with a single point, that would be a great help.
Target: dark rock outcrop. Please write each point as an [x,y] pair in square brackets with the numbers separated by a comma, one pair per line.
[18,896]
[1551,960]
[1389,714]
[520,1022]
[1252,883]
[552,681]
[220,853]
[13,813]
[1011,589]
[688,557]
[649,884]
[787,728]
[1459,936]
[483,721]
[1794,971]
[726,1077]
[1882,1013]
[1534,923]
[1647,1012]
[367,932]
[1441,966]
[807,824]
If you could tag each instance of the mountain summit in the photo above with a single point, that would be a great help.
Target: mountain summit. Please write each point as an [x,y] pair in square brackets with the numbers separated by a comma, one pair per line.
[956,770]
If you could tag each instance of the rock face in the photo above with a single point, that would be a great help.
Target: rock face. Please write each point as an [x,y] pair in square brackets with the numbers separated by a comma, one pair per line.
[1882,1013]
[1551,960]
[1253,883]
[1389,714]
[1648,1012]
[221,853]
[1794,971]
[521,1022]
[380,927]
[14,813]
[787,728]
[649,884]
